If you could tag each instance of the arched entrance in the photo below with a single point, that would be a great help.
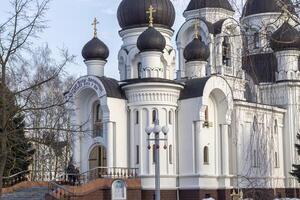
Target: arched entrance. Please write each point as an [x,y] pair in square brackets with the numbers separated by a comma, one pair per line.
[97,157]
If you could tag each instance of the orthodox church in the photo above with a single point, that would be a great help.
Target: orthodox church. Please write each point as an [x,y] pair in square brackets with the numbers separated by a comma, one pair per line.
[227,96]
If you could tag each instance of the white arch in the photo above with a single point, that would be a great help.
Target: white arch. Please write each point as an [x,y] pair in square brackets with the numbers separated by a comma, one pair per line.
[220,84]
[183,35]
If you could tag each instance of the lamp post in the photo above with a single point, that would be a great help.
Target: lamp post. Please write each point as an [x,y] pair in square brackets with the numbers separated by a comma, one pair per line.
[156,129]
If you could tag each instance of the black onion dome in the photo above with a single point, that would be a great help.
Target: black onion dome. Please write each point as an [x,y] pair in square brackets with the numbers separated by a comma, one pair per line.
[95,49]
[151,40]
[198,4]
[285,38]
[132,13]
[253,7]
[196,50]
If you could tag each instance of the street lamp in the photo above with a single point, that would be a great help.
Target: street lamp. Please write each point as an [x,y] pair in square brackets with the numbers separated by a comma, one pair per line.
[156,129]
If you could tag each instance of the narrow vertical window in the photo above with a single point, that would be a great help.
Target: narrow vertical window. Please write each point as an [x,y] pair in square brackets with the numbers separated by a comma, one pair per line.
[276,160]
[170,117]
[254,159]
[153,153]
[170,154]
[206,155]
[206,114]
[256,40]
[154,115]
[97,120]
[98,114]
[137,154]
[226,52]
[139,69]
[137,117]
[275,127]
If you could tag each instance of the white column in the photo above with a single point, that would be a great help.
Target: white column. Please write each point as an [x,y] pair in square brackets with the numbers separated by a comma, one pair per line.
[225,156]
[76,137]
[181,71]
[110,145]
[132,140]
[197,149]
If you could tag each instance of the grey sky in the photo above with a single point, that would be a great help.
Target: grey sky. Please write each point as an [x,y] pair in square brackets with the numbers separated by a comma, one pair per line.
[70,26]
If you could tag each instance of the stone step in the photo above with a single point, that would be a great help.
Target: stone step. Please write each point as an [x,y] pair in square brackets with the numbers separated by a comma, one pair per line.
[34,193]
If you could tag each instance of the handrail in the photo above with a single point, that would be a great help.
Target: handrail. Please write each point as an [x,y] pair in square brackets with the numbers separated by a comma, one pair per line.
[57,188]
[14,175]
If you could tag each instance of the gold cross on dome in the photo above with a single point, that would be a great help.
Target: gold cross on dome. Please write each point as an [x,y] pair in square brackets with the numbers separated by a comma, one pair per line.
[150,11]
[95,22]
[196,26]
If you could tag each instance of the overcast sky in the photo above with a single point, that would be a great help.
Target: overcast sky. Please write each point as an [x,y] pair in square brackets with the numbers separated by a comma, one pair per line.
[69,25]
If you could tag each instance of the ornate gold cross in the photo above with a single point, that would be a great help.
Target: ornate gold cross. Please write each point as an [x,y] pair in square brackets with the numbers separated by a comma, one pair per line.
[196,26]
[95,26]
[150,11]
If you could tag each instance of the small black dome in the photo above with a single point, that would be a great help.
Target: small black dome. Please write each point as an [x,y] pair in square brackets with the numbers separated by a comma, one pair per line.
[95,49]
[285,38]
[253,7]
[198,4]
[132,13]
[196,50]
[151,40]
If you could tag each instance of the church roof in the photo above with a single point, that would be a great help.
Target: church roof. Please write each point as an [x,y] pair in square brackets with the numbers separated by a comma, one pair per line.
[132,13]
[198,4]
[112,88]
[196,50]
[287,37]
[95,49]
[261,67]
[193,88]
[151,40]
[253,7]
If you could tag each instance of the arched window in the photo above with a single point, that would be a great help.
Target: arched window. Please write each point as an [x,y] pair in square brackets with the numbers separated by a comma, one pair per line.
[255,125]
[256,40]
[206,114]
[119,190]
[276,159]
[137,154]
[139,70]
[206,155]
[154,115]
[275,127]
[170,117]
[255,159]
[226,51]
[97,120]
[137,117]
[268,35]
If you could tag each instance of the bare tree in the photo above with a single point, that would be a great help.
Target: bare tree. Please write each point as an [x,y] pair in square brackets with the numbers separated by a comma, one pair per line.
[26,19]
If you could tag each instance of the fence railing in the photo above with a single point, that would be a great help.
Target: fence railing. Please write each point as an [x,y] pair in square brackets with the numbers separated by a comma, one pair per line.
[28,175]
[58,189]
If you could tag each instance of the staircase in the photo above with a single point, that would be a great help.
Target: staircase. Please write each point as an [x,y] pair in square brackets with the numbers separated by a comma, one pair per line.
[69,186]
[66,186]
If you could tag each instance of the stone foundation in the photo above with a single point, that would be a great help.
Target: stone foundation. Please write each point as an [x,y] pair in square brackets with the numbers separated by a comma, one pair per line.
[193,194]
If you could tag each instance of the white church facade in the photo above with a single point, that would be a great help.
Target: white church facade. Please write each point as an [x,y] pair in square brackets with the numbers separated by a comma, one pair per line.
[229,93]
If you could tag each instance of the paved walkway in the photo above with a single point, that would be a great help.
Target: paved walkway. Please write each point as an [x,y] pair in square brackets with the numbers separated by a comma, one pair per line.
[35,193]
